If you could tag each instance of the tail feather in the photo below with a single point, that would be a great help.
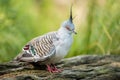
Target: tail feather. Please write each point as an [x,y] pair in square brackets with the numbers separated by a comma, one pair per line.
[17,58]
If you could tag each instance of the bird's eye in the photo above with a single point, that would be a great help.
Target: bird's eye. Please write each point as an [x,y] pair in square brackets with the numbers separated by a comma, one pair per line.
[68,28]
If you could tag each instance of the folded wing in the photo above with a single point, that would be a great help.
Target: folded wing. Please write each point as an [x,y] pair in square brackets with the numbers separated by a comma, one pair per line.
[39,48]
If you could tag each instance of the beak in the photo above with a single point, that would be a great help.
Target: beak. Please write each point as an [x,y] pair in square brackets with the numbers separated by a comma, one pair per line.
[74,32]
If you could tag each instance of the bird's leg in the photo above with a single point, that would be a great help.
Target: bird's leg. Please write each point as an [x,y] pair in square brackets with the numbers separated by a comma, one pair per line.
[55,69]
[49,68]
[52,68]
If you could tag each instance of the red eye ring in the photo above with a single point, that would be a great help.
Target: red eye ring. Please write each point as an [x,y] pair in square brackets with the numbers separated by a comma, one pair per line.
[67,27]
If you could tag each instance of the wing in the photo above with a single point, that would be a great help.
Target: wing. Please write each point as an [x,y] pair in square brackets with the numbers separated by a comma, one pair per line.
[39,49]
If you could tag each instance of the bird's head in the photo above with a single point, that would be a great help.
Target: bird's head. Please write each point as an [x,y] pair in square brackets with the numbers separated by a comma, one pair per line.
[68,24]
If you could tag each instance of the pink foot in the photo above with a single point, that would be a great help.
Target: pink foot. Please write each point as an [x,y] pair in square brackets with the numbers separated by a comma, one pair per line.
[53,69]
[49,68]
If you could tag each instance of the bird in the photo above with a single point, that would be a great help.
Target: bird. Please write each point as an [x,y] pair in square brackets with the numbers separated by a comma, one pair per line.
[50,47]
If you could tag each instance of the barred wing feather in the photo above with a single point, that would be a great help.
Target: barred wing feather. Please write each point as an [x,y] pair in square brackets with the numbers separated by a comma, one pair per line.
[42,46]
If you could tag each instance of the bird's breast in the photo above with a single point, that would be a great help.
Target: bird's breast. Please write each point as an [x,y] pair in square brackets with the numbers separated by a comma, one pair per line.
[63,47]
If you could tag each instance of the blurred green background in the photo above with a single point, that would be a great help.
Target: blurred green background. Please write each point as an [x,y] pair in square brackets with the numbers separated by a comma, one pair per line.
[97,24]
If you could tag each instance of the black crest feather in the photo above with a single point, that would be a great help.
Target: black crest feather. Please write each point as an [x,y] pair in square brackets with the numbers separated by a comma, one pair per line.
[71,19]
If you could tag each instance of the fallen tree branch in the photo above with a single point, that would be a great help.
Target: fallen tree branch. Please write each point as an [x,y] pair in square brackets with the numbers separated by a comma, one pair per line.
[86,67]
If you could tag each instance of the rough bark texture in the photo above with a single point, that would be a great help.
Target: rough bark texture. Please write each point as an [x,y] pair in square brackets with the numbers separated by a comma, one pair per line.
[87,67]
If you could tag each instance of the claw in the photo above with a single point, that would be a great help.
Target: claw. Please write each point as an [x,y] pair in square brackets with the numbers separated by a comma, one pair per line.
[53,69]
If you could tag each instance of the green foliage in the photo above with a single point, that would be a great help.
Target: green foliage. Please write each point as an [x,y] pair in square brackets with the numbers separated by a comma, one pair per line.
[101,33]
[22,20]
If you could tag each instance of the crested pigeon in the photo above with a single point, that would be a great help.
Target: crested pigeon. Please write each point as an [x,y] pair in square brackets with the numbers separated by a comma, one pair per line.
[49,48]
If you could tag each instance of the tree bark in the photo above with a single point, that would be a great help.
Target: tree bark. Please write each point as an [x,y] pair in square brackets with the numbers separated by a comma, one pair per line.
[85,67]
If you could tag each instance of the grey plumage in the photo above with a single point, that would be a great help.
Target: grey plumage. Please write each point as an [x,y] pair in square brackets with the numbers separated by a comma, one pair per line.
[51,47]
